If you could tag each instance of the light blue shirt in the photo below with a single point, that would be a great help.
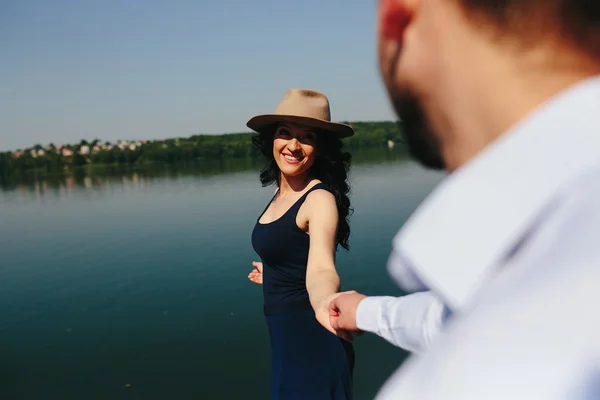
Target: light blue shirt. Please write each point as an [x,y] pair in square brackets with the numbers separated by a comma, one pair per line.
[510,244]
[410,322]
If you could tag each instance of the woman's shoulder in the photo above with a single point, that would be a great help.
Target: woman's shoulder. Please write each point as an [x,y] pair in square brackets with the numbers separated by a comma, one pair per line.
[319,203]
[319,192]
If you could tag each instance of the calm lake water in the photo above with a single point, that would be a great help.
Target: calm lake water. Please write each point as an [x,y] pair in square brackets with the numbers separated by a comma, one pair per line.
[133,284]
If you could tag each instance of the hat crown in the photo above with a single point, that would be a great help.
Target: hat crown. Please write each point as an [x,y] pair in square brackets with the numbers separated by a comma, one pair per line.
[304,103]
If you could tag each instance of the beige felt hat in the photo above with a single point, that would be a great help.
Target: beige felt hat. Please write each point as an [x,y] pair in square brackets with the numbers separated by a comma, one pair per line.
[304,107]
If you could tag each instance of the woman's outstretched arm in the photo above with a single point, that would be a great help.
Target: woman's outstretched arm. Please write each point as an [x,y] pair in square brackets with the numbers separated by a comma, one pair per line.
[322,279]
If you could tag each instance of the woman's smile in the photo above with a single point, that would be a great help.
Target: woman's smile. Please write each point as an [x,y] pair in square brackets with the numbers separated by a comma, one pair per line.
[292,159]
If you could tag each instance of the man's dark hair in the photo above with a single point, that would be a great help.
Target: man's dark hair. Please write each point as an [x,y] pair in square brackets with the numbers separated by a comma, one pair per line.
[576,21]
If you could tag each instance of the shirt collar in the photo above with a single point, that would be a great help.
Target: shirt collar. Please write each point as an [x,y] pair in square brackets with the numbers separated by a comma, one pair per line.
[474,217]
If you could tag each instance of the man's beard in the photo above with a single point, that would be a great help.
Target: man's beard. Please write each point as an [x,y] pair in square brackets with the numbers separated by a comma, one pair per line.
[414,126]
[415,129]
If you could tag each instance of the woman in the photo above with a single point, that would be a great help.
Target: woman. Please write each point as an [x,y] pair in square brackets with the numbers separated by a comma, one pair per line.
[296,237]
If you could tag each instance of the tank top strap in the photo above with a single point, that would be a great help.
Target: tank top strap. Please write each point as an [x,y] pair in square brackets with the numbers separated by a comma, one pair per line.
[302,198]
[319,185]
[268,204]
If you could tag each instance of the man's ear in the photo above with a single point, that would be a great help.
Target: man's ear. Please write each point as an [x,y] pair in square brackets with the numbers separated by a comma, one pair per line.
[394,16]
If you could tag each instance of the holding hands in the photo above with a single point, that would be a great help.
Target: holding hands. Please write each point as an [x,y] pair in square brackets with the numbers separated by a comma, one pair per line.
[342,314]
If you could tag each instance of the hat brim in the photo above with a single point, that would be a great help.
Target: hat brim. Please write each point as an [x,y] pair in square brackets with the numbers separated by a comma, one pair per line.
[260,122]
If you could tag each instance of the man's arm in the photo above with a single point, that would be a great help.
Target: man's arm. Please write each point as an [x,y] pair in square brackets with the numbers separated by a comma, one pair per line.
[410,322]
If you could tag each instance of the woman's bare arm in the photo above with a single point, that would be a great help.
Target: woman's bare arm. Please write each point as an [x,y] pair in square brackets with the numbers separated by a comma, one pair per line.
[322,279]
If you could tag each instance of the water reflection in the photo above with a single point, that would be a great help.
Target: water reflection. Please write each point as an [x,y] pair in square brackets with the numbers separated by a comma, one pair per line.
[37,185]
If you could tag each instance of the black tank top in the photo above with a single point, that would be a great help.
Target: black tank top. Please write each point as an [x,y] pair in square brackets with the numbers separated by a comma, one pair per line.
[283,249]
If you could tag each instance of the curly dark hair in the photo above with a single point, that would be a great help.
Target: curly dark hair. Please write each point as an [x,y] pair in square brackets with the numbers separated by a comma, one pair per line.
[331,166]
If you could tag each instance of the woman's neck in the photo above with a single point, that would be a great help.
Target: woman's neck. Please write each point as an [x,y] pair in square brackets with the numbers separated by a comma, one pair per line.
[293,184]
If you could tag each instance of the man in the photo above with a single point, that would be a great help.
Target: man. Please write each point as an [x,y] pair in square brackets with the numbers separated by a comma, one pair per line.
[505,95]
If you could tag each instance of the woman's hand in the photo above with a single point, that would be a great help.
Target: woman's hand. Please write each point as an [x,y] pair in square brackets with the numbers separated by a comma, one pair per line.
[256,275]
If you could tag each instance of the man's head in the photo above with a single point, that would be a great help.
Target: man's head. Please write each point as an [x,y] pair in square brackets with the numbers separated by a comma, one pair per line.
[459,73]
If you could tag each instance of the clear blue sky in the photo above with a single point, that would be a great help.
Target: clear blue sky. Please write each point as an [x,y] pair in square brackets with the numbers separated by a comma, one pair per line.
[135,69]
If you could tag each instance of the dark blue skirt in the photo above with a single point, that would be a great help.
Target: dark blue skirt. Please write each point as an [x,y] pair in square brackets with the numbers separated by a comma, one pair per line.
[308,361]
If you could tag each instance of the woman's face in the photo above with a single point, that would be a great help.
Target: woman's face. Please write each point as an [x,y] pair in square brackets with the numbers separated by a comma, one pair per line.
[294,149]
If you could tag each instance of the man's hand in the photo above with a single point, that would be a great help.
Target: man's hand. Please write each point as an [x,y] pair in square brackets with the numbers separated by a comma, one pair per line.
[322,315]
[342,312]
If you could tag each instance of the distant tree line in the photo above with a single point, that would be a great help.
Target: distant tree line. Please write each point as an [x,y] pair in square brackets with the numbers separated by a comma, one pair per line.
[55,159]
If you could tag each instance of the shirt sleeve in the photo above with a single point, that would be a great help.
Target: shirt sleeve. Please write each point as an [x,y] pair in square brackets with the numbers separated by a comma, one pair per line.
[409,322]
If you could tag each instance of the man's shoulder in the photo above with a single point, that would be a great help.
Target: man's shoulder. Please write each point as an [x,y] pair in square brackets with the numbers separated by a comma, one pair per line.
[567,230]
[578,201]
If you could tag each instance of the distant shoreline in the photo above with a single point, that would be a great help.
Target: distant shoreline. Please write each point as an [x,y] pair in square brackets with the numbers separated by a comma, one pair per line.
[59,159]
[99,175]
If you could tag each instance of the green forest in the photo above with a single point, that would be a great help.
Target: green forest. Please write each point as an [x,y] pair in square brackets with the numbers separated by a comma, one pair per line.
[58,158]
